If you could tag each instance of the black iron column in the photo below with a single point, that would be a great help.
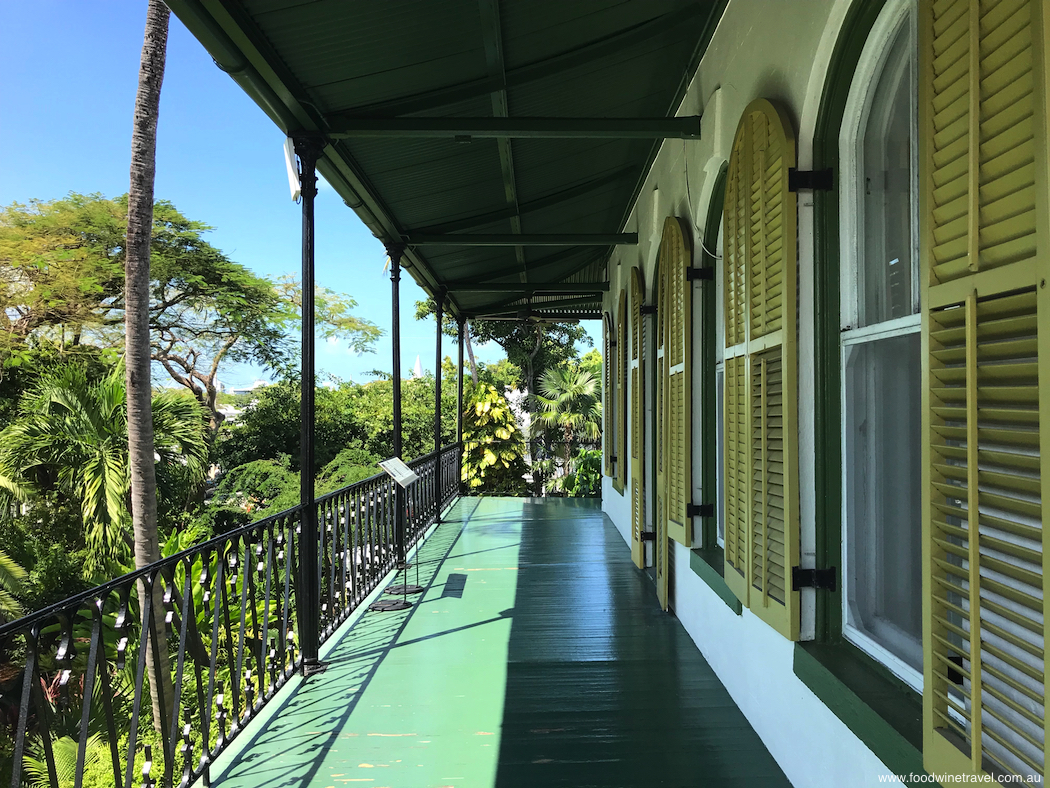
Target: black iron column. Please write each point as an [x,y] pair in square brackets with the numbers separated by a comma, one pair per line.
[440,314]
[309,594]
[459,396]
[396,251]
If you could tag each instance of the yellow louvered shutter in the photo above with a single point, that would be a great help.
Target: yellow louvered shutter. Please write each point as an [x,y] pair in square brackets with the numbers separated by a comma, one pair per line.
[660,546]
[761,384]
[621,391]
[608,393]
[985,256]
[676,256]
[637,420]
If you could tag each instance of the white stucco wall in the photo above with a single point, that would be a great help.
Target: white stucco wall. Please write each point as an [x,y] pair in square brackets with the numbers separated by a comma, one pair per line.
[775,49]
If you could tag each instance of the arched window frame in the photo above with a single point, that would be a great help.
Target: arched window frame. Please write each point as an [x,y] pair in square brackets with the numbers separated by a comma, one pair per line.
[895,17]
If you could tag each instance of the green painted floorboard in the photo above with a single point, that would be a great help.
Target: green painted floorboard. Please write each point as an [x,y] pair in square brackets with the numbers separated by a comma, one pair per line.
[537,656]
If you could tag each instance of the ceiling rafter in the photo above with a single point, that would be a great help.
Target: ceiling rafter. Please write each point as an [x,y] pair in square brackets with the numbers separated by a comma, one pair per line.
[565,195]
[521,239]
[492,33]
[540,69]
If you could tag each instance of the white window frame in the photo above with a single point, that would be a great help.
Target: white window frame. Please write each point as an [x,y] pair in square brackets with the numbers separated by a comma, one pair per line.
[851,212]
[720,371]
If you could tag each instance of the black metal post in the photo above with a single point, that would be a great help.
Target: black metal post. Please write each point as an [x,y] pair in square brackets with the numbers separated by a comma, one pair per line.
[396,251]
[459,394]
[440,314]
[309,596]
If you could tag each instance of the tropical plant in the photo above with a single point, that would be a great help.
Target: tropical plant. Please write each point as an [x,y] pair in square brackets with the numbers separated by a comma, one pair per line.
[493,446]
[569,404]
[70,437]
[12,576]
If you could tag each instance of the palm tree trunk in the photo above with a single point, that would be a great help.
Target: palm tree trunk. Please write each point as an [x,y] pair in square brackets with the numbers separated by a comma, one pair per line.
[530,409]
[470,354]
[137,343]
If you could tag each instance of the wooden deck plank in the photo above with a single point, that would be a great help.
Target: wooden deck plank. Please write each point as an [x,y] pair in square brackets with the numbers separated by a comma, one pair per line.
[546,663]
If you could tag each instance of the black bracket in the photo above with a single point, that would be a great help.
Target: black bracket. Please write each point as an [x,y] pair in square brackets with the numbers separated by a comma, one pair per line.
[700,510]
[811,180]
[821,579]
[701,274]
[648,309]
[648,536]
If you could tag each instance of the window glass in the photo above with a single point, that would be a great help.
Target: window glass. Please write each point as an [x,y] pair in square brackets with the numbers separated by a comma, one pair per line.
[881,352]
[882,431]
[885,289]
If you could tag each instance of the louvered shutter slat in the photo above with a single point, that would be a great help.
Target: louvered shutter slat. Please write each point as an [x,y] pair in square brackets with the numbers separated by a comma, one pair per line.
[983,208]
[622,321]
[637,420]
[676,257]
[608,394]
[761,482]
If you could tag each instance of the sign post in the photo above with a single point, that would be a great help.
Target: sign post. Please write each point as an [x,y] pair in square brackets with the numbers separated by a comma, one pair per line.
[403,477]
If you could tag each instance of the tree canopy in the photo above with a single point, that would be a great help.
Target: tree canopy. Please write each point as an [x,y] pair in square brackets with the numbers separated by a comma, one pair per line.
[62,283]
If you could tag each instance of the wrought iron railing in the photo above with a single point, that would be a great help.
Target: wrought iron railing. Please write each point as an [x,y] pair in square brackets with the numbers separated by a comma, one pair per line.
[223,627]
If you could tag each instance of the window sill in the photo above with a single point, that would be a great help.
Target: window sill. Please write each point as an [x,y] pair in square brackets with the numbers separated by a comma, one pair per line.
[883,712]
[708,564]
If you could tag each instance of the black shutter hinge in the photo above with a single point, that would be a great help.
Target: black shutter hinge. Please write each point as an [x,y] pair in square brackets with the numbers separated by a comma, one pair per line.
[821,579]
[700,510]
[811,180]
[648,536]
[648,309]
[701,274]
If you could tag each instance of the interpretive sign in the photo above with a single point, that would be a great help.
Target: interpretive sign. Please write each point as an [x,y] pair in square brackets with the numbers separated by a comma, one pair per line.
[398,471]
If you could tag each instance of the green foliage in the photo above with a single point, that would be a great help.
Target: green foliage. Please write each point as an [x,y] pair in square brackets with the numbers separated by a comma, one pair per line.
[46,536]
[502,375]
[591,362]
[351,465]
[570,404]
[372,407]
[494,448]
[260,487]
[269,427]
[70,438]
[12,578]
[582,477]
[64,750]
[62,281]
[529,346]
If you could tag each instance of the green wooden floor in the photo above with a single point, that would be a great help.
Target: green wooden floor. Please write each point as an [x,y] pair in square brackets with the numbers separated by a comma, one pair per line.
[537,657]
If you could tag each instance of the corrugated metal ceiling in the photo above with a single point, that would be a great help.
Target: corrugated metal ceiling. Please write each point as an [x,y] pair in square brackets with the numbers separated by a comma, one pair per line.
[305,61]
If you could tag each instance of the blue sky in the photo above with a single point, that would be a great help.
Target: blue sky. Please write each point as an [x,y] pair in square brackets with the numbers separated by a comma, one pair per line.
[68,73]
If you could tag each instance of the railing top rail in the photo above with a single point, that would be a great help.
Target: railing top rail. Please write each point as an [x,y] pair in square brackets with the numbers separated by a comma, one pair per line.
[75,602]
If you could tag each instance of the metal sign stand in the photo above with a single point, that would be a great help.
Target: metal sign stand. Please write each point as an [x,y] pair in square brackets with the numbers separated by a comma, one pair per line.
[404,476]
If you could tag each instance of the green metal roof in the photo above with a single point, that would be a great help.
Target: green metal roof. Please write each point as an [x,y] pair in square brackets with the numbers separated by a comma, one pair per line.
[326,65]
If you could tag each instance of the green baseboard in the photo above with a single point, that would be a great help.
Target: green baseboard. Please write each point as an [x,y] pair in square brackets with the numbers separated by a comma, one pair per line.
[708,565]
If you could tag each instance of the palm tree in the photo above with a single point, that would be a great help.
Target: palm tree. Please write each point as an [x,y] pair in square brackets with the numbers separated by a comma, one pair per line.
[143,481]
[11,578]
[71,435]
[569,402]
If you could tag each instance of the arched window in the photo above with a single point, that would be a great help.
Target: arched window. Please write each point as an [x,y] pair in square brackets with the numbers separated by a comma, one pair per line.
[880,342]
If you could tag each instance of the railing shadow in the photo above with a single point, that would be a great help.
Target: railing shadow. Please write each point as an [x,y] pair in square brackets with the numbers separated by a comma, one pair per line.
[314,715]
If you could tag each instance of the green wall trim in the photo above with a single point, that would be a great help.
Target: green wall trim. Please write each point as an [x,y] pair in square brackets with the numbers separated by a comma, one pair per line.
[826,311]
[709,565]
[880,709]
[708,336]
